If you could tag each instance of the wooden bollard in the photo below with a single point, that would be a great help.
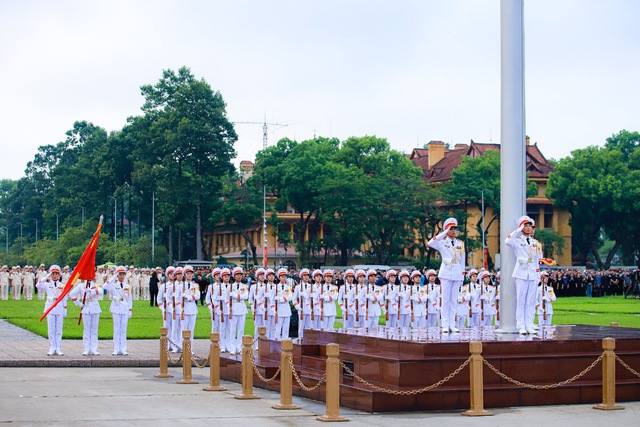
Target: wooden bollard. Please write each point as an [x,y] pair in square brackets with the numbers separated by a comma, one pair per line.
[608,377]
[247,369]
[476,382]
[333,386]
[186,359]
[164,355]
[214,363]
[286,377]
[614,324]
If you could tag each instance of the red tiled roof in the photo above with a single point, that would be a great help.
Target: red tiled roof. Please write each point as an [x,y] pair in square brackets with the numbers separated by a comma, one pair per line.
[537,165]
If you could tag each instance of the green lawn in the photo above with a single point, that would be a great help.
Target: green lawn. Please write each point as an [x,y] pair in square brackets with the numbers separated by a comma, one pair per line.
[146,320]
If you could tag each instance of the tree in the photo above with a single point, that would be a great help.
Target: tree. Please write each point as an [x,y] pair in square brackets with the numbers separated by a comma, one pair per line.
[601,190]
[624,141]
[192,141]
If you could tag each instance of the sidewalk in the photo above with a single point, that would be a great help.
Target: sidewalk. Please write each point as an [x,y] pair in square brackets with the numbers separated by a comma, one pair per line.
[122,389]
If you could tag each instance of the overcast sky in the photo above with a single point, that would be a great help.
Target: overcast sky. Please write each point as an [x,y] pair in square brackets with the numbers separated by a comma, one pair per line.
[409,71]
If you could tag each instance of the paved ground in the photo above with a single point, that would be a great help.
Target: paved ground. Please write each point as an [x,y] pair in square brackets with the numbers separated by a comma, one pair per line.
[128,392]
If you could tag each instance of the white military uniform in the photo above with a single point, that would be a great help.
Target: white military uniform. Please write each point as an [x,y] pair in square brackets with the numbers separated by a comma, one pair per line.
[545,298]
[213,304]
[134,280]
[165,303]
[28,280]
[302,298]
[420,298]
[16,283]
[526,274]
[121,309]
[434,292]
[348,304]
[404,301]
[375,303]
[391,299]
[475,290]
[41,273]
[257,304]
[55,318]
[190,297]
[462,309]
[86,297]
[283,295]
[270,298]
[453,256]
[329,297]
[4,284]
[239,293]
[225,320]
[489,306]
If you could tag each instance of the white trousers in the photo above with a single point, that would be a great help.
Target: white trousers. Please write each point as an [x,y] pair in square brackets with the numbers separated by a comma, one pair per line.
[462,319]
[54,327]
[120,322]
[404,321]
[257,323]
[271,327]
[475,319]
[373,322]
[28,292]
[393,320]
[488,320]
[329,322]
[350,322]
[304,322]
[450,290]
[282,327]
[236,331]
[432,320]
[525,301]
[419,321]
[4,292]
[15,289]
[90,332]
[224,321]
[189,323]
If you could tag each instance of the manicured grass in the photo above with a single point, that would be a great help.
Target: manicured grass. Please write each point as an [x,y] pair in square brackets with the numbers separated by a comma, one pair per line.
[146,321]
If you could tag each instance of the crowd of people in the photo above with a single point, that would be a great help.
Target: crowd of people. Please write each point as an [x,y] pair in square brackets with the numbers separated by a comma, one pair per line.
[449,299]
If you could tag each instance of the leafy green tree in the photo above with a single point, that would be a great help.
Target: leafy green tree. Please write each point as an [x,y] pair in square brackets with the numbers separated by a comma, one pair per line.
[190,139]
[601,189]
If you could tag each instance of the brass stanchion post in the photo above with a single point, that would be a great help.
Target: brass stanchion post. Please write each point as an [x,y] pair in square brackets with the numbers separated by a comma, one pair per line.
[247,370]
[164,356]
[286,377]
[476,382]
[332,386]
[214,363]
[186,359]
[608,377]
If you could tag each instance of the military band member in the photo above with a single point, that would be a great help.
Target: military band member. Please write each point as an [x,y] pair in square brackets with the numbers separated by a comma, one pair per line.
[451,276]
[545,298]
[4,283]
[52,288]
[420,299]
[238,295]
[347,298]
[404,300]
[28,281]
[302,296]
[476,291]
[165,300]
[257,301]
[434,292]
[329,297]
[283,296]
[121,309]
[270,298]
[85,296]
[489,298]
[463,307]
[526,272]
[375,300]
[361,299]
[316,300]
[391,299]
[190,297]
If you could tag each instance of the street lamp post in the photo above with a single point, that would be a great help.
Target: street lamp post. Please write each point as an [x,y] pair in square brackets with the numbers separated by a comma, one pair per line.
[115,230]
[483,256]
[6,232]
[153,227]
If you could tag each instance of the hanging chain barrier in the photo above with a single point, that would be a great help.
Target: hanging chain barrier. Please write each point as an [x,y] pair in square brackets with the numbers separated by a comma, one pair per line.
[546,386]
[299,381]
[627,367]
[172,361]
[255,369]
[406,392]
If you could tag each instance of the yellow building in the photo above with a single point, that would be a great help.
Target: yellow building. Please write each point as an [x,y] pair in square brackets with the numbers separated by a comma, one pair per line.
[437,162]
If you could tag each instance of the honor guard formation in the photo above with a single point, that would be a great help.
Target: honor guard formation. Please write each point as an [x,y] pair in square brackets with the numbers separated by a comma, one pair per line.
[449,299]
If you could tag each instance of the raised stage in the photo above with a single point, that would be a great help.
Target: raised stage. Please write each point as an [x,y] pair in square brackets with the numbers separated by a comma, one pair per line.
[412,359]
